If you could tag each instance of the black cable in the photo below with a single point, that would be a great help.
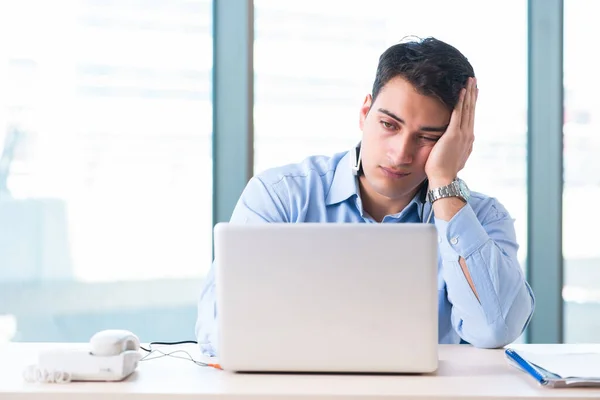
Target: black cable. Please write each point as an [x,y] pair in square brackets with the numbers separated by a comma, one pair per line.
[149,349]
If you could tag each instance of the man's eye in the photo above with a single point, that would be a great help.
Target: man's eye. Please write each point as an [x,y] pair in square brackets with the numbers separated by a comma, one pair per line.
[387,125]
[429,138]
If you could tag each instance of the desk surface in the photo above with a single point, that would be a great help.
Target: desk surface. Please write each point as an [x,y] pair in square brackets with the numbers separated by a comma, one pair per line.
[464,373]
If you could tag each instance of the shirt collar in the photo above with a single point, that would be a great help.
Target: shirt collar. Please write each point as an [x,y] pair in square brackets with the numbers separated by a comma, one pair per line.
[417,203]
[345,185]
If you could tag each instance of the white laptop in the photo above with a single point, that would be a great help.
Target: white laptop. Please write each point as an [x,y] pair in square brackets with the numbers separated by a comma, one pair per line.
[312,297]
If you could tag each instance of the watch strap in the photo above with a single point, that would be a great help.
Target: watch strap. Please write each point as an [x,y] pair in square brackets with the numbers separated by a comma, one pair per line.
[451,190]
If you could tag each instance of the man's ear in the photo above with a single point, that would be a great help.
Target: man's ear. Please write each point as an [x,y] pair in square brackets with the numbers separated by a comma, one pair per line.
[364,110]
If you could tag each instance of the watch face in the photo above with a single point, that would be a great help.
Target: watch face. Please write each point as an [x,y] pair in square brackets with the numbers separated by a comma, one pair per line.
[464,190]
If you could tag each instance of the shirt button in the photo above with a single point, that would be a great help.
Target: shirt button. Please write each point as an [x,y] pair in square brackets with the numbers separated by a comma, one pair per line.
[454,240]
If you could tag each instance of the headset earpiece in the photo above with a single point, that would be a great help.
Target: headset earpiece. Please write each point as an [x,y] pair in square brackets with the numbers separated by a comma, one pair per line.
[355,159]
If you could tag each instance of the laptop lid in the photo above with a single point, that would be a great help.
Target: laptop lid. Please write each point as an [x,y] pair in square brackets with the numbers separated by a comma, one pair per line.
[327,297]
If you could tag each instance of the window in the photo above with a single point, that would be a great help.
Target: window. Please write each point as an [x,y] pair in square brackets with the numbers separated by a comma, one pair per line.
[581,194]
[105,168]
[315,61]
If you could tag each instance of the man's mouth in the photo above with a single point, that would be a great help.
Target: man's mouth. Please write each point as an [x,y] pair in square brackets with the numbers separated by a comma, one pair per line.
[394,173]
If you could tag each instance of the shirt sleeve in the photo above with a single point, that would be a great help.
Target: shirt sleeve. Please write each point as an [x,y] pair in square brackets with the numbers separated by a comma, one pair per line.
[488,245]
[257,204]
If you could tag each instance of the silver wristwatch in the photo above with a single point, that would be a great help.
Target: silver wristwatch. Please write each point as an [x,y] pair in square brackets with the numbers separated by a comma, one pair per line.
[457,188]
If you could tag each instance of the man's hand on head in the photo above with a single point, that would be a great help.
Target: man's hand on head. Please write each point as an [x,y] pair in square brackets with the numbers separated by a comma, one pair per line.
[450,153]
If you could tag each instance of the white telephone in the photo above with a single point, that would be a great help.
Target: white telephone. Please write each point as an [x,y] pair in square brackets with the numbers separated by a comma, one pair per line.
[113,355]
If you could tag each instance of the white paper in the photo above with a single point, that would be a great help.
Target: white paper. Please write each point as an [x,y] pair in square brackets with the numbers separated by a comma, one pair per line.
[567,365]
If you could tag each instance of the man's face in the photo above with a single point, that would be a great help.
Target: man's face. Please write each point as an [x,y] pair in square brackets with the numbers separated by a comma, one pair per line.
[399,130]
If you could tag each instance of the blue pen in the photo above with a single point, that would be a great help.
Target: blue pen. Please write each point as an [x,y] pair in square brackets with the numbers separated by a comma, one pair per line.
[530,369]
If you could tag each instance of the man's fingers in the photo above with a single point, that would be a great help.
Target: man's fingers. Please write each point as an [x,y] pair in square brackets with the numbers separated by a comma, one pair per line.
[474,93]
[456,117]
[467,106]
[465,113]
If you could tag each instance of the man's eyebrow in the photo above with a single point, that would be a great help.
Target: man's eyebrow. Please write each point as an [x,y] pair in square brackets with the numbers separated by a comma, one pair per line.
[440,129]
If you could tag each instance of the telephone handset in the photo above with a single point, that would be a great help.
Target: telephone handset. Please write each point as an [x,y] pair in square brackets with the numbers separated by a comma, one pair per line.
[112,355]
[113,342]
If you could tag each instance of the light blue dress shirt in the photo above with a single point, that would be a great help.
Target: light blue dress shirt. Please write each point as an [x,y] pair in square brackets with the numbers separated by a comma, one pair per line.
[323,189]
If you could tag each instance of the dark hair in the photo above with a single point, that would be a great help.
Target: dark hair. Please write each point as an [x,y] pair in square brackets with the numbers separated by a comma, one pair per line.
[433,67]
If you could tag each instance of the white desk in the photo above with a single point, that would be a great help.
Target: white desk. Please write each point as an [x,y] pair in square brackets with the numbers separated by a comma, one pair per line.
[465,373]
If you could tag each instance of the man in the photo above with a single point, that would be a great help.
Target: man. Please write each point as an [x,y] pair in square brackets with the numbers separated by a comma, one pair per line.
[417,135]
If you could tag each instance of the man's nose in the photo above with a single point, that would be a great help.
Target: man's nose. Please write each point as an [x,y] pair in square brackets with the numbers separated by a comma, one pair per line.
[401,149]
